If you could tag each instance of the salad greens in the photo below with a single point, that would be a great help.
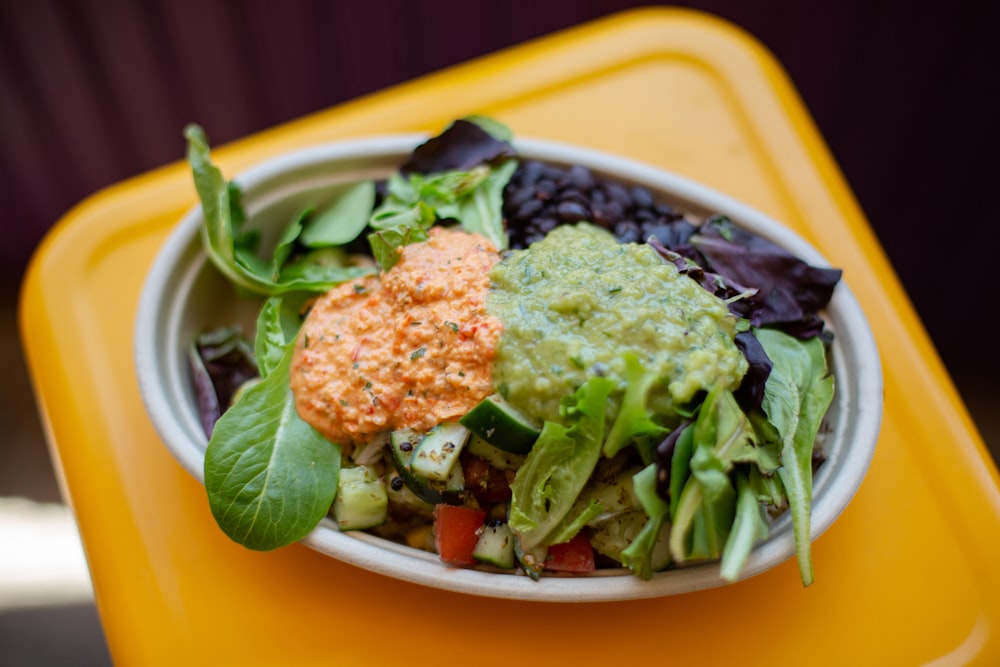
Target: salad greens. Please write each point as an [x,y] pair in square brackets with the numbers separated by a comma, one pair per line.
[231,248]
[798,394]
[269,475]
[700,485]
[559,465]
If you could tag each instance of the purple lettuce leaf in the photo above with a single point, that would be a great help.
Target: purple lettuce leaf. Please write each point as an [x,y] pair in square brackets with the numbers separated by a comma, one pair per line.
[221,361]
[789,293]
[461,147]
[750,393]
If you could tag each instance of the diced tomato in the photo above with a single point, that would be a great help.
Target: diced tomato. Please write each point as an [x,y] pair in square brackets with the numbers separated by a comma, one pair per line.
[574,556]
[456,531]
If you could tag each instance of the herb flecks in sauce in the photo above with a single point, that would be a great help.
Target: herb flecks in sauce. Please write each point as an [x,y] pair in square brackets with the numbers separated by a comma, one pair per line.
[574,303]
[429,310]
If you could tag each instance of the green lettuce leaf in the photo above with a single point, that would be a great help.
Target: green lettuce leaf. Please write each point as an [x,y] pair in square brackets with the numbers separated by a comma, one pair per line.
[638,556]
[559,465]
[634,419]
[749,527]
[797,395]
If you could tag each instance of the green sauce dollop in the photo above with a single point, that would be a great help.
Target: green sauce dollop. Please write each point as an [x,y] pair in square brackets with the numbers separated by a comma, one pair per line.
[576,302]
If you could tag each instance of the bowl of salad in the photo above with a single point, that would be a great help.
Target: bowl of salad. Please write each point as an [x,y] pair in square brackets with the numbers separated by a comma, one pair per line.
[505,366]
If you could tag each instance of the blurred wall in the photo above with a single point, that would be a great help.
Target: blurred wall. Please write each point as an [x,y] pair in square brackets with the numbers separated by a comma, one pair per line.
[905,94]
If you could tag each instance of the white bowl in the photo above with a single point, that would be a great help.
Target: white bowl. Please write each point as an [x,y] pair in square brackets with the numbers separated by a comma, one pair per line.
[184,295]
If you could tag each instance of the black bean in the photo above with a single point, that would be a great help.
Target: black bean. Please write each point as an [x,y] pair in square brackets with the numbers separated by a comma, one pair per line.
[546,188]
[541,196]
[665,209]
[627,231]
[518,197]
[614,210]
[641,197]
[527,210]
[600,216]
[574,195]
[580,177]
[571,211]
[618,194]
[670,234]
[644,215]
[545,225]
[552,173]
[531,172]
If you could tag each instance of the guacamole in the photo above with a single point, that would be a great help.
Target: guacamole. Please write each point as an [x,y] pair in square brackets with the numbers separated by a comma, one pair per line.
[576,302]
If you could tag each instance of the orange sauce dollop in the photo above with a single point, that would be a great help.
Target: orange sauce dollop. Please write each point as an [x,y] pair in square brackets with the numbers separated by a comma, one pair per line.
[412,348]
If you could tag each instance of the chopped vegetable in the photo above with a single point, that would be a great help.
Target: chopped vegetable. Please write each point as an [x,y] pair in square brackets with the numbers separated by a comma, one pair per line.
[456,533]
[575,556]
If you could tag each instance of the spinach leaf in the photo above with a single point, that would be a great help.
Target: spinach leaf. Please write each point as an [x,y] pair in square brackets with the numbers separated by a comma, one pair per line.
[286,244]
[233,252]
[797,395]
[270,341]
[270,477]
[481,212]
[409,226]
[547,485]
[343,219]
[220,222]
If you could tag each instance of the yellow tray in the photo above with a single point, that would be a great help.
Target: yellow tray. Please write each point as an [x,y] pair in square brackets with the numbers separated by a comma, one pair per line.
[908,575]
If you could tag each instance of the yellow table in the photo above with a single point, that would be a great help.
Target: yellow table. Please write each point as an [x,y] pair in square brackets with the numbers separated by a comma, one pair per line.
[908,575]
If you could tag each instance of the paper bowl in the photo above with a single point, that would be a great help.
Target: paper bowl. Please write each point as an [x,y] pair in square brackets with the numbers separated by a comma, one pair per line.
[184,295]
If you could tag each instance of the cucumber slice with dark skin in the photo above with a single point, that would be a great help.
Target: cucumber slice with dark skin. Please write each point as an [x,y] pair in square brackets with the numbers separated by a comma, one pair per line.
[402,444]
[438,451]
[495,456]
[496,545]
[502,425]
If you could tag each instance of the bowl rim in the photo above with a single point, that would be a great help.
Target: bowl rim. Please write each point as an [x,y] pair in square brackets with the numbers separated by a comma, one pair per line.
[186,442]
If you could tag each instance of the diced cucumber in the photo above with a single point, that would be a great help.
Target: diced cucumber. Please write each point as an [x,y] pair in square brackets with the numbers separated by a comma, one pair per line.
[502,425]
[496,457]
[456,479]
[361,499]
[495,545]
[438,451]
[402,496]
[403,444]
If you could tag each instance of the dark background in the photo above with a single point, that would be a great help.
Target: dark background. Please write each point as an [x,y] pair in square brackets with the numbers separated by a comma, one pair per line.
[905,94]
[92,92]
